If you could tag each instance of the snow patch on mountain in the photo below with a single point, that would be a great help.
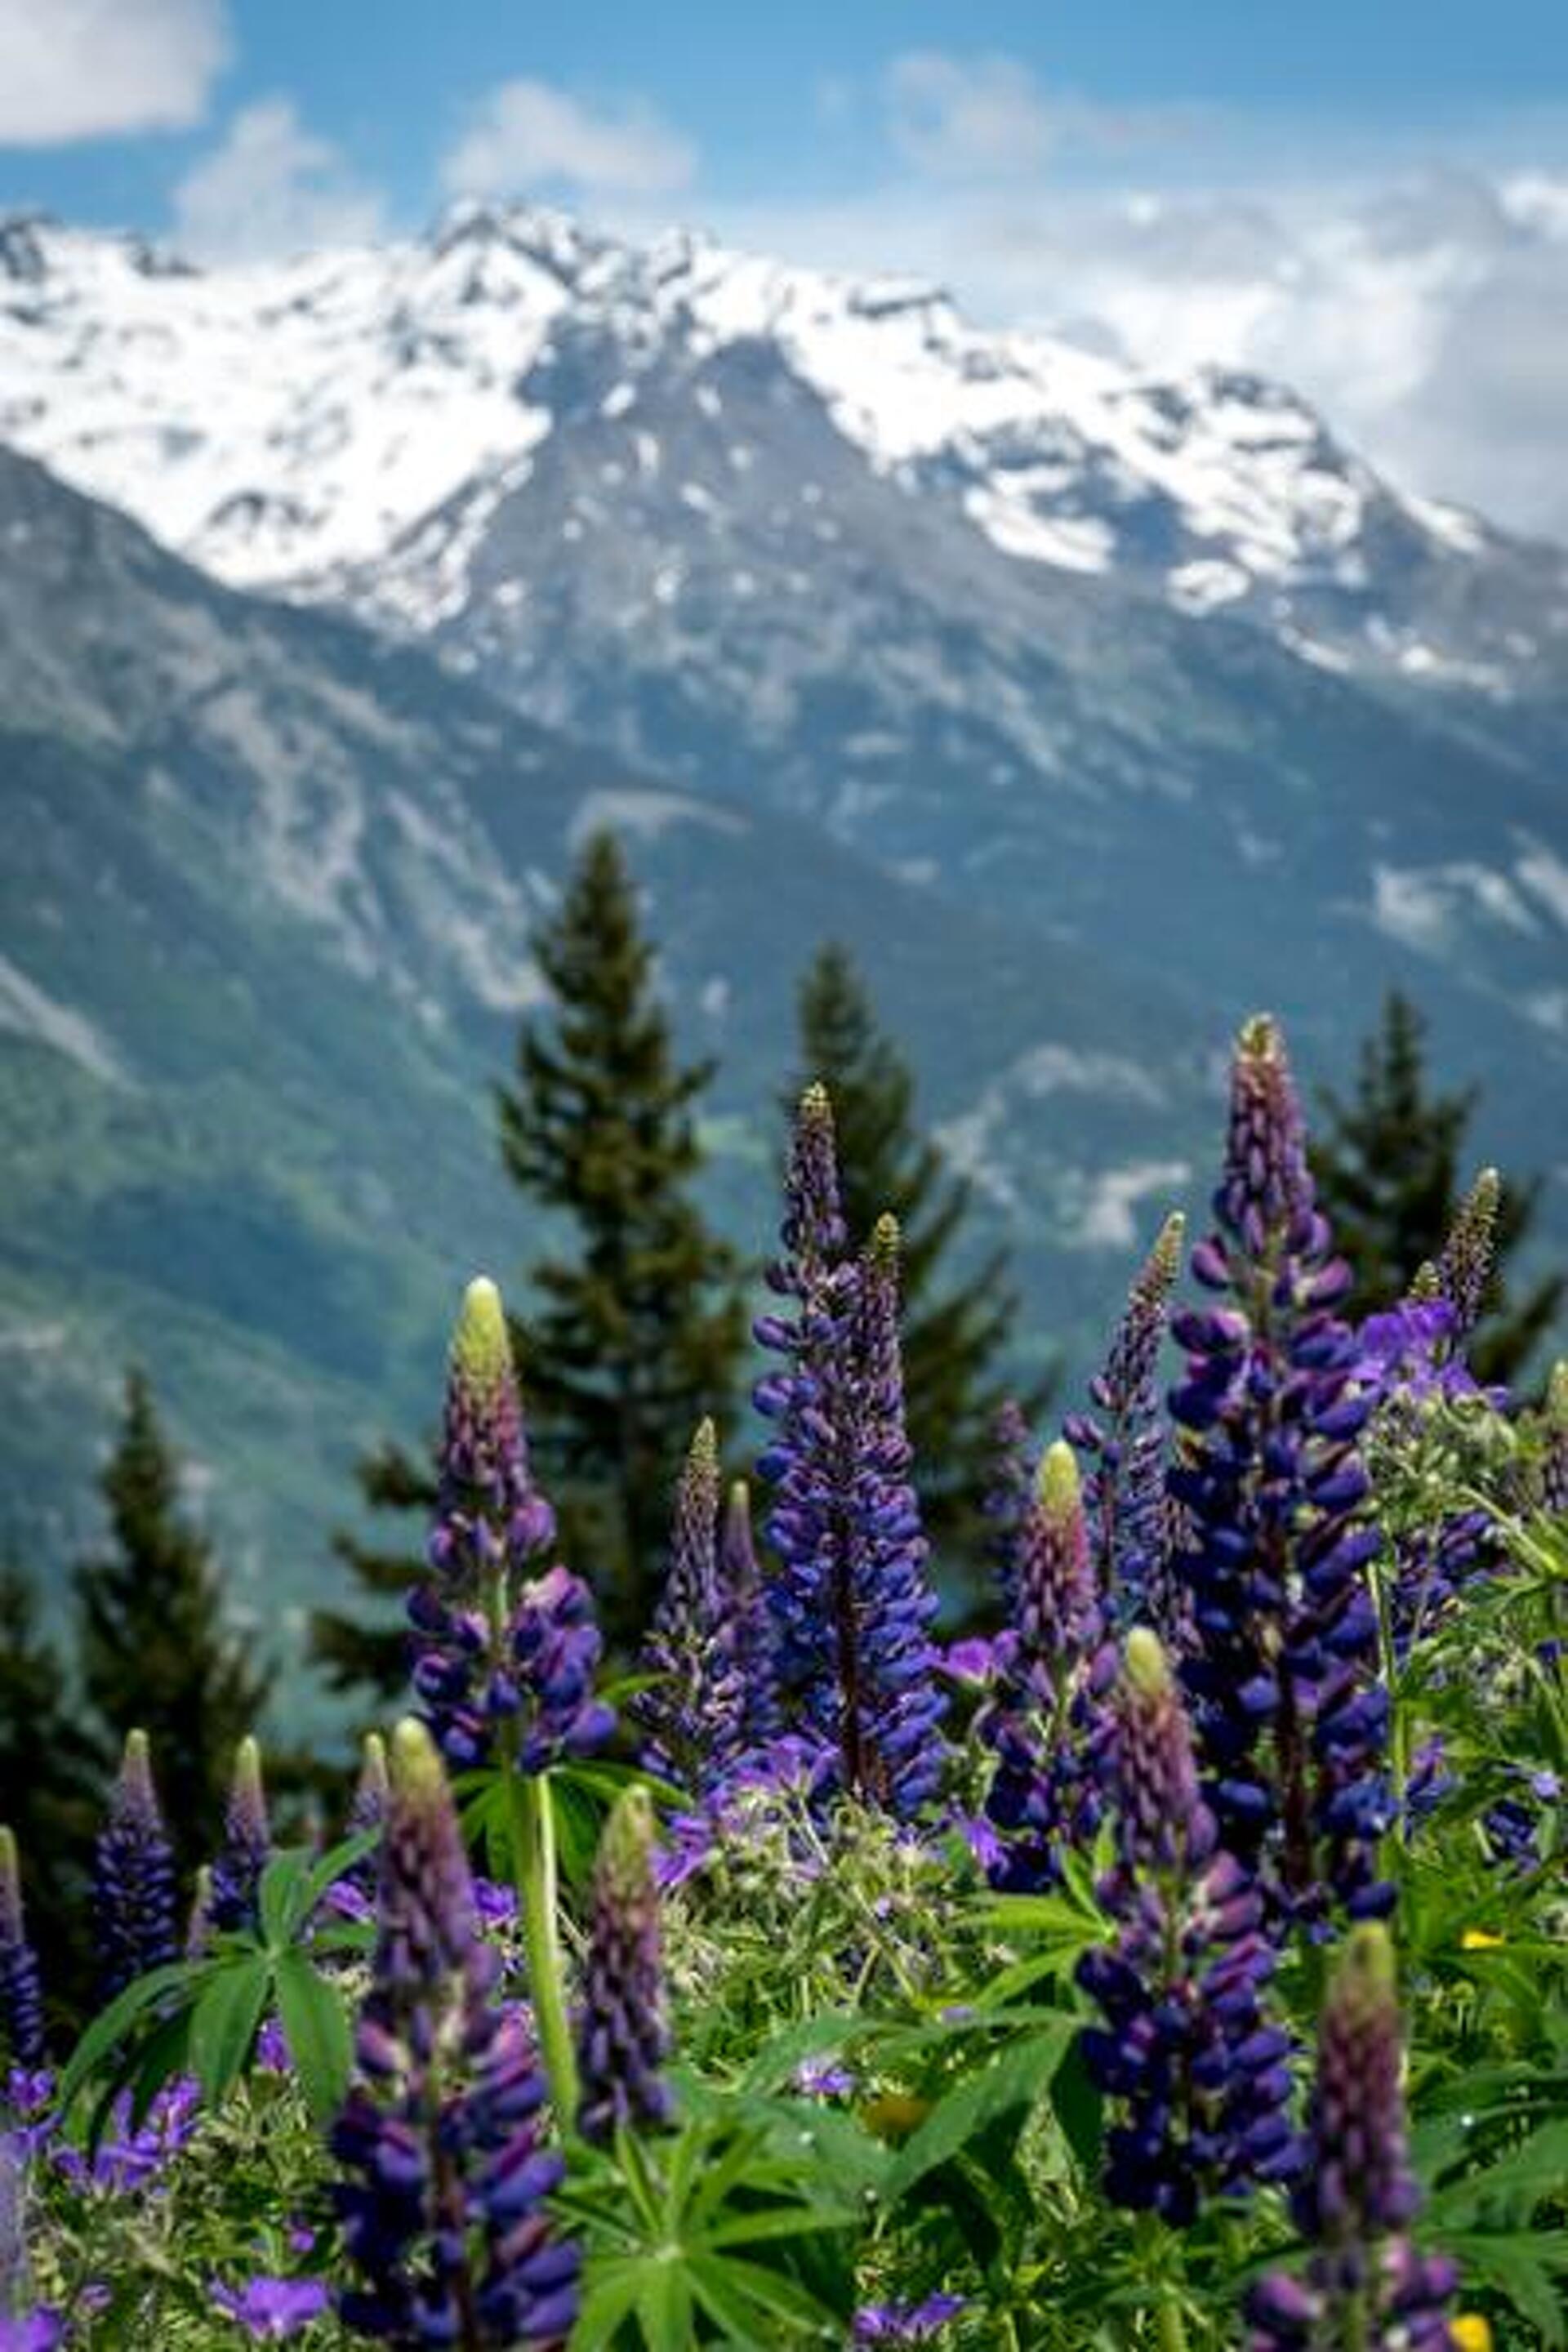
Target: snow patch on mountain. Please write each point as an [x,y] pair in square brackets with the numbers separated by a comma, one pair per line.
[349,423]
[31,1011]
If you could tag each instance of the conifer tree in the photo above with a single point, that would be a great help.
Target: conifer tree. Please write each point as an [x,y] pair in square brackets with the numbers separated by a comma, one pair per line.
[637,1328]
[1390,1170]
[371,1653]
[151,1645]
[54,1790]
[959,1315]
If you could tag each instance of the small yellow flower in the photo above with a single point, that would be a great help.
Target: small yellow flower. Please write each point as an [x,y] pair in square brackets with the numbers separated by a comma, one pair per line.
[1470,2332]
[1480,1939]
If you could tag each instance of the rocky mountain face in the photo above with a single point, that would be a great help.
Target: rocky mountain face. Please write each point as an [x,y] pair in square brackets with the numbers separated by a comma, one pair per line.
[264,914]
[1096,710]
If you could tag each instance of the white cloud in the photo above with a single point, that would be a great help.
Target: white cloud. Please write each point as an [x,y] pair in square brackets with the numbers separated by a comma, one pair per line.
[74,69]
[1424,310]
[272,187]
[967,117]
[528,134]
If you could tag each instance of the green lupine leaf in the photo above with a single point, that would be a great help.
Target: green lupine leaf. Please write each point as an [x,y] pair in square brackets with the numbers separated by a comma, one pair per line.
[225,2022]
[609,2295]
[664,2304]
[176,1978]
[277,1897]
[317,2026]
[1012,2080]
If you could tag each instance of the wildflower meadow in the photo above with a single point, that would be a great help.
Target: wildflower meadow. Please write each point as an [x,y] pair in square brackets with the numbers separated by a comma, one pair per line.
[1176,1959]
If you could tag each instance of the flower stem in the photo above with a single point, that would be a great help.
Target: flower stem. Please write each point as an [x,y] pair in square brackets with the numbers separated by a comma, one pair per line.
[532,1825]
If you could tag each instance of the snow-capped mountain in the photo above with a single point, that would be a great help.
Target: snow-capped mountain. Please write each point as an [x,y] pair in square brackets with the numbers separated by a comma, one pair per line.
[357,416]
[1094,711]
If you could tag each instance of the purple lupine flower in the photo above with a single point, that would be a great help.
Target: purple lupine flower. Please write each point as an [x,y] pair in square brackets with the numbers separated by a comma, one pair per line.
[1198,2075]
[40,2330]
[270,2310]
[502,1648]
[442,2209]
[1365,2286]
[1124,1435]
[623,2034]
[247,1846]
[354,1891]
[1292,1720]
[1468,1254]
[134,1923]
[21,1986]
[373,1790]
[907,2323]
[1005,1503]
[693,1716]
[1045,1719]
[852,1607]
[1406,1353]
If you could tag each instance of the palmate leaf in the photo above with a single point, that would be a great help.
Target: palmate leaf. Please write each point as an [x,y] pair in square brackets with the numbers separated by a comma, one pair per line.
[1009,2082]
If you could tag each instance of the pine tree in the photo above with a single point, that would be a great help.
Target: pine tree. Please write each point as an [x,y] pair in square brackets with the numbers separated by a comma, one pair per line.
[1389,1164]
[371,1654]
[638,1330]
[151,1640]
[54,1791]
[958,1317]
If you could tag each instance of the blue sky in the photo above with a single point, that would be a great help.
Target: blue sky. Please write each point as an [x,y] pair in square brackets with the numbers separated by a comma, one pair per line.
[1369,199]
[775,102]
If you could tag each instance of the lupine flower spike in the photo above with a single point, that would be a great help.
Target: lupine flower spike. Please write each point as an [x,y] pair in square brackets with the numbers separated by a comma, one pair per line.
[1367,2288]
[135,1920]
[1046,1723]
[246,1845]
[1465,1267]
[623,2038]
[852,1608]
[1006,1500]
[1197,2074]
[1553,1474]
[499,1643]
[1124,1437]
[442,2210]
[367,1811]
[1291,1718]
[21,1987]
[691,1712]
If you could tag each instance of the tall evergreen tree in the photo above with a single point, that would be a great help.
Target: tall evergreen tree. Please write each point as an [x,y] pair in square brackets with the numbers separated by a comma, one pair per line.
[638,1330]
[1390,1171]
[959,1316]
[372,1653]
[54,1791]
[153,1648]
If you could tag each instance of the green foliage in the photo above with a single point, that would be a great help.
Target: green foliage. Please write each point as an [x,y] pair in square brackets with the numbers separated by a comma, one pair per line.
[202,2014]
[637,1331]
[152,1647]
[960,1310]
[1388,1164]
[357,1653]
[53,1790]
[880,2091]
